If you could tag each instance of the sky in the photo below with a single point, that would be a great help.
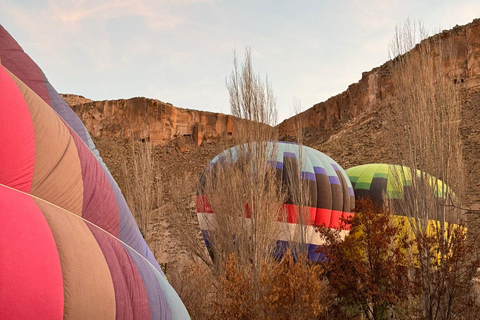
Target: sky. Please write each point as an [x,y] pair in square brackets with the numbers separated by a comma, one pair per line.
[181,51]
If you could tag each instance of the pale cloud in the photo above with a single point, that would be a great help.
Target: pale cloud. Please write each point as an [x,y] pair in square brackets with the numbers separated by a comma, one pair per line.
[71,15]
[454,13]
[157,14]
[82,26]
[375,13]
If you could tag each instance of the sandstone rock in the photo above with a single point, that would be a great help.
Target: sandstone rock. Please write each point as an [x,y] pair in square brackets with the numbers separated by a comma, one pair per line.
[153,120]
[181,146]
[198,134]
[350,126]
[74,99]
[375,88]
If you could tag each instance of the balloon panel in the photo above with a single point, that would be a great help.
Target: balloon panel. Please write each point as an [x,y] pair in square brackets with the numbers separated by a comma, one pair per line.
[107,270]
[330,193]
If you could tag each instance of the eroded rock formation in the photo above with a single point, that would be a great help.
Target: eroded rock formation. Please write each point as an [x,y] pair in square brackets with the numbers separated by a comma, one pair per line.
[153,120]
[351,126]
[375,89]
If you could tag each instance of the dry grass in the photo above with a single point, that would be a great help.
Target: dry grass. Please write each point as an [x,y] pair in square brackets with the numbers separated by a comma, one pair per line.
[289,290]
[197,287]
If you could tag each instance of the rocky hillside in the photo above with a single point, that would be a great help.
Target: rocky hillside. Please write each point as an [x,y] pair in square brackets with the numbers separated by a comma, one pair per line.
[350,127]
[375,90]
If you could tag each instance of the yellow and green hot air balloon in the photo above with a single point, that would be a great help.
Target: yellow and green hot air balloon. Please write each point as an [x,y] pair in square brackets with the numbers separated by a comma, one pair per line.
[392,186]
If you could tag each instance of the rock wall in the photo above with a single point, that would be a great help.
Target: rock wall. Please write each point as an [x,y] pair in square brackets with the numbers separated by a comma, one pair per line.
[74,99]
[375,89]
[153,120]
[351,127]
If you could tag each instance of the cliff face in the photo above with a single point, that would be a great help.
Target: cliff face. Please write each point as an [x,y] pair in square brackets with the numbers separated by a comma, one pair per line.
[153,120]
[375,89]
[74,99]
[350,127]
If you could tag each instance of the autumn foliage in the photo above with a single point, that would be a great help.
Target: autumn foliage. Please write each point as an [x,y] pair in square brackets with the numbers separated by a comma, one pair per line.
[367,269]
[382,270]
[287,290]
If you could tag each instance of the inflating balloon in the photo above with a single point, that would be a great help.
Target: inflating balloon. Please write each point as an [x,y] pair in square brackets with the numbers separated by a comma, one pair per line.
[329,192]
[390,185]
[69,245]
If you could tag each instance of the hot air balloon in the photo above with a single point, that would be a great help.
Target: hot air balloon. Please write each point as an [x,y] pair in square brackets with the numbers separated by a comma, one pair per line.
[390,185]
[69,246]
[330,194]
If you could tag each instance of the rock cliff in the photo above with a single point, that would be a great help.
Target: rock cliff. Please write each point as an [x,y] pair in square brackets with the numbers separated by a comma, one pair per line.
[375,90]
[350,127]
[153,120]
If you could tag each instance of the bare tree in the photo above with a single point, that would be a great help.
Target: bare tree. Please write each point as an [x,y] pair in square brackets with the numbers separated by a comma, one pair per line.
[241,187]
[240,203]
[250,97]
[143,189]
[425,127]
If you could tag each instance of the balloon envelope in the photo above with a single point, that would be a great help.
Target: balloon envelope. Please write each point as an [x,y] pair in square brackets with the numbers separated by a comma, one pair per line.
[391,184]
[330,194]
[69,246]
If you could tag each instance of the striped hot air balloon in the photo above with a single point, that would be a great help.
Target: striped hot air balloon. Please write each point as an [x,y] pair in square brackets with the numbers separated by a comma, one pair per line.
[330,194]
[69,246]
[390,185]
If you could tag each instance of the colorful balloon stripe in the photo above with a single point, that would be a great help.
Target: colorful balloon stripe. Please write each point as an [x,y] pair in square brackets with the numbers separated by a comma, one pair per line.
[330,194]
[386,182]
[105,269]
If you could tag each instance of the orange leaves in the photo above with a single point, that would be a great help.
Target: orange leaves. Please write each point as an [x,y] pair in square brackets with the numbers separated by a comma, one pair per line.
[284,290]
[367,269]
